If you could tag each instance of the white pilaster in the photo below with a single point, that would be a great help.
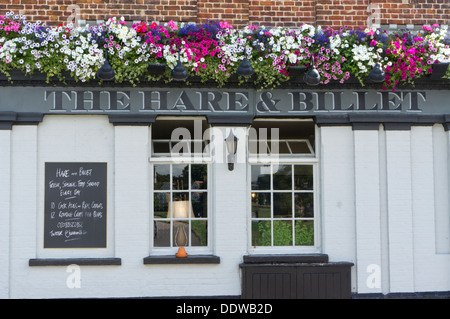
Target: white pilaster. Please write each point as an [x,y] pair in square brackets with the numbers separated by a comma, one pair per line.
[5,193]
[441,148]
[367,206]
[231,210]
[338,193]
[423,202]
[399,205]
[23,221]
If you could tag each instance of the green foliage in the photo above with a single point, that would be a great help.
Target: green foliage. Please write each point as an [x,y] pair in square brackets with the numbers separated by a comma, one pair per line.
[282,233]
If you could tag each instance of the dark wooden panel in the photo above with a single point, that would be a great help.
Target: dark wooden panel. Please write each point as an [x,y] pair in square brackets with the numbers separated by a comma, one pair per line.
[273,280]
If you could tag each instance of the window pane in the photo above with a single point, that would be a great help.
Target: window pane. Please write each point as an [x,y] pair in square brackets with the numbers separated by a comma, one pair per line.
[303,177]
[304,233]
[261,177]
[181,148]
[199,204]
[180,233]
[282,205]
[261,205]
[180,173]
[161,177]
[304,205]
[279,147]
[197,147]
[199,233]
[282,177]
[199,176]
[299,148]
[161,147]
[282,233]
[253,146]
[161,206]
[161,233]
[261,233]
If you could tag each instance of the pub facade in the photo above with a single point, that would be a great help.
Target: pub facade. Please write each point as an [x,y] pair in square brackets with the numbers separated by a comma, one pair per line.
[190,189]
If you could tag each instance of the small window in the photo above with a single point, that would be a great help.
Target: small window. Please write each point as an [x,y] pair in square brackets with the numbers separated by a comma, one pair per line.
[180,137]
[285,138]
[181,215]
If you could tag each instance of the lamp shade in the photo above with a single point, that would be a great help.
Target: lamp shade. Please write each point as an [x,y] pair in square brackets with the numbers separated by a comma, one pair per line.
[106,72]
[245,68]
[377,74]
[180,209]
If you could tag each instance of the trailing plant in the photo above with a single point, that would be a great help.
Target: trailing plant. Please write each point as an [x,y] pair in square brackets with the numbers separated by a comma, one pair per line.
[212,51]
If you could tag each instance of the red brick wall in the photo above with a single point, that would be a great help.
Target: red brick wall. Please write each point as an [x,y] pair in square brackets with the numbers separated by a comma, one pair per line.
[288,13]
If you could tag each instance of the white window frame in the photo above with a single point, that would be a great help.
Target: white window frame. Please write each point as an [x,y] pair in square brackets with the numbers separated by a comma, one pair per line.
[188,159]
[194,250]
[285,159]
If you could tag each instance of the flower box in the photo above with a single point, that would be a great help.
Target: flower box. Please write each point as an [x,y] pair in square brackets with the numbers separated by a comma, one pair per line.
[157,68]
[439,70]
[297,70]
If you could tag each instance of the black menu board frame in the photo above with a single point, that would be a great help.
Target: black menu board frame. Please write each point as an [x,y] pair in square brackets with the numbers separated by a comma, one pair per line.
[75,205]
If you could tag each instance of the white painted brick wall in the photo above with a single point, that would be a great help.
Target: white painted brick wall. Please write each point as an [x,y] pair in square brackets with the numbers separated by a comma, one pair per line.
[75,139]
[401,240]
[351,209]
[5,193]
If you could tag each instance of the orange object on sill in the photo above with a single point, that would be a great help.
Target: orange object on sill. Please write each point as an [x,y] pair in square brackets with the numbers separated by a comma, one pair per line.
[181,253]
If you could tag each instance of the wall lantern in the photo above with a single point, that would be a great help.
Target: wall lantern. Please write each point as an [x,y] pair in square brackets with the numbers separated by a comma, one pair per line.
[231,143]
[245,68]
[106,72]
[312,77]
[377,74]
[179,73]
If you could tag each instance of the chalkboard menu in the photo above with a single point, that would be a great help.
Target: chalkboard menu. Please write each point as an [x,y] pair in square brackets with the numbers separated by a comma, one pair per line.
[75,205]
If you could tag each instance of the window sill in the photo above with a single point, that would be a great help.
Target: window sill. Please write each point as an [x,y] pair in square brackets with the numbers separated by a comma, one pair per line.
[190,259]
[287,258]
[76,261]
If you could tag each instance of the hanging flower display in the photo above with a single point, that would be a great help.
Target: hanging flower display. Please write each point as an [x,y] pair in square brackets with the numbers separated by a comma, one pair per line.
[212,51]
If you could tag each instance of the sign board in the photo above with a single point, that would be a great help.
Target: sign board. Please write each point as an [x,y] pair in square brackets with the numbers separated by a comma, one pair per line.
[204,101]
[75,205]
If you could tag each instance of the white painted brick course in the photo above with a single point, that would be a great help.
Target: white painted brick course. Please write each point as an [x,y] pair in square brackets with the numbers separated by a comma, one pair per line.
[351,187]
